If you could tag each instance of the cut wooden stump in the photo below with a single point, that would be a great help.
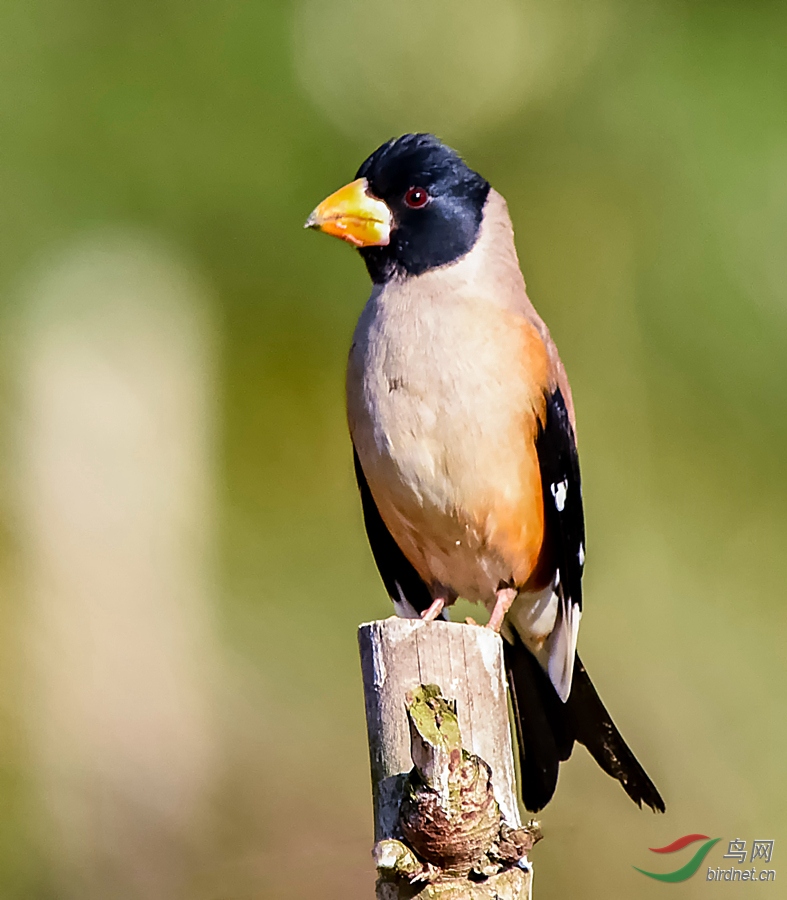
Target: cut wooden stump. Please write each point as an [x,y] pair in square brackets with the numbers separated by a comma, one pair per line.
[447,822]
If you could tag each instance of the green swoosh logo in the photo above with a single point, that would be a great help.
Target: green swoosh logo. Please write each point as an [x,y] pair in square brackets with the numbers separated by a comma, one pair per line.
[685,871]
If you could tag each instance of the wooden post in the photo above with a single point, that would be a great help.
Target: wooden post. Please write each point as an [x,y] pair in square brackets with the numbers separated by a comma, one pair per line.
[446,819]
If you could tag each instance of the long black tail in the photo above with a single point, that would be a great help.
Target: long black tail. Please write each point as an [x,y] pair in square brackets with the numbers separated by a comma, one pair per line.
[547,729]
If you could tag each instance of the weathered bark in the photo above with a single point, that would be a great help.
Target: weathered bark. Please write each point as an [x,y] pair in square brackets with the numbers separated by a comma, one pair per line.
[447,823]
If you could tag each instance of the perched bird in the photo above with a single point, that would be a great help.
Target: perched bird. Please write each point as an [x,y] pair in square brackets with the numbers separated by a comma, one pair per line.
[463,430]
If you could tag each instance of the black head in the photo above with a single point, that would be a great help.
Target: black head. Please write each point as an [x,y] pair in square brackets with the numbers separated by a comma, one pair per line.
[436,203]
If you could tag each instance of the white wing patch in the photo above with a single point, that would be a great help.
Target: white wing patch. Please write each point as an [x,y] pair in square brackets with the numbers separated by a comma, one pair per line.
[562,647]
[559,492]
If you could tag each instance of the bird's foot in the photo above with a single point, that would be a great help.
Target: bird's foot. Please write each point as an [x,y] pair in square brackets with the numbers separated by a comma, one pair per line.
[504,598]
[429,615]
[470,621]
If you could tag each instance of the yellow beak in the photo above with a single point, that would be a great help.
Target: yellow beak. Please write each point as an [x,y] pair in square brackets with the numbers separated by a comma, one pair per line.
[353,215]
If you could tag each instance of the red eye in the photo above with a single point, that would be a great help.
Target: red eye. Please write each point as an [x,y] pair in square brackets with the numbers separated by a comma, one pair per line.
[416,198]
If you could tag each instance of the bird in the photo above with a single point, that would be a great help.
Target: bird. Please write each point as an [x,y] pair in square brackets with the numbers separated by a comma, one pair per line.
[464,442]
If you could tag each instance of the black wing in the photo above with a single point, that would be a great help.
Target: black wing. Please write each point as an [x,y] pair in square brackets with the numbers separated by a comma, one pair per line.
[404,585]
[564,519]
[546,727]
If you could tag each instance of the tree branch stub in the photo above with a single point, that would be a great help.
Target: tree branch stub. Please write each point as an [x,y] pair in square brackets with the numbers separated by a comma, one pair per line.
[447,823]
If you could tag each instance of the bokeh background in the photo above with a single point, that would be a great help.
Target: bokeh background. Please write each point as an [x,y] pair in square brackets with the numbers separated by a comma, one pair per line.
[183,564]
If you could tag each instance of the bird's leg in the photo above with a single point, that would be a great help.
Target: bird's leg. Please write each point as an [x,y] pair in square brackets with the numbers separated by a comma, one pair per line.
[504,598]
[429,615]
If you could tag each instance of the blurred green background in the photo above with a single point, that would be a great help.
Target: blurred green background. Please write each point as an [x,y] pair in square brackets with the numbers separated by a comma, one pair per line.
[183,559]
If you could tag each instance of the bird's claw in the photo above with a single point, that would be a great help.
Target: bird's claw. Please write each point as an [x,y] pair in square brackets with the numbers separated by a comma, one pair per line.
[430,614]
